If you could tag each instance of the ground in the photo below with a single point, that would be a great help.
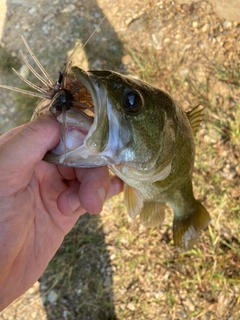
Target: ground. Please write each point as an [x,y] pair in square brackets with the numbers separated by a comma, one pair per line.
[109,266]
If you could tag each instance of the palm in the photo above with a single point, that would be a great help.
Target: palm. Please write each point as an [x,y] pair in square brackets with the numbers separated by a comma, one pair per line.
[39,203]
[39,227]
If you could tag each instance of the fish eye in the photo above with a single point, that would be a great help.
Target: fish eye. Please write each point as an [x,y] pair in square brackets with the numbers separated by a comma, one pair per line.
[132,102]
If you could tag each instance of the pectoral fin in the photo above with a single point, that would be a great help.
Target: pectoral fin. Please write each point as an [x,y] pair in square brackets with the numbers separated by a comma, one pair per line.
[186,229]
[152,214]
[133,200]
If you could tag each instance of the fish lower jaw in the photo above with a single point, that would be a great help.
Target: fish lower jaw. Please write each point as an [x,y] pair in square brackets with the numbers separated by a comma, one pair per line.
[73,151]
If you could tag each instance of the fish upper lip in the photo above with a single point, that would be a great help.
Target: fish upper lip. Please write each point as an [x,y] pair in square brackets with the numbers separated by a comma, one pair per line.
[95,140]
[84,78]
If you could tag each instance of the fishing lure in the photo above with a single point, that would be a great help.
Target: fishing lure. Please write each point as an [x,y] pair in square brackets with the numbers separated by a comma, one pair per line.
[58,96]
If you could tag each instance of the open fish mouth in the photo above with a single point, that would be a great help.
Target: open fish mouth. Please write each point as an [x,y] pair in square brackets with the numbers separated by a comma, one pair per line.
[85,140]
[105,119]
[80,103]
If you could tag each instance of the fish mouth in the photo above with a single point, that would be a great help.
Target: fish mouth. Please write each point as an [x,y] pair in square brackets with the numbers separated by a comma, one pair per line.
[84,138]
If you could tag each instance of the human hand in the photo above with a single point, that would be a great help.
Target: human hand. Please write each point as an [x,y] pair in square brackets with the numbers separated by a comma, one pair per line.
[40,203]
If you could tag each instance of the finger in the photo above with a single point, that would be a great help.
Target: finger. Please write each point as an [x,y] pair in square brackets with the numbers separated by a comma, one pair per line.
[67,173]
[28,145]
[90,193]
[68,201]
[116,186]
[10,133]
[95,185]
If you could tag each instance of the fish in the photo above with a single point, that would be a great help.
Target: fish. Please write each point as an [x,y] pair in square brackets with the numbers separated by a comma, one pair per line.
[139,131]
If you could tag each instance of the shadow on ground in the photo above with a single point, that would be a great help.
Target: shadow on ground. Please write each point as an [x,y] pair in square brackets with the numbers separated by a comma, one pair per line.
[78,282]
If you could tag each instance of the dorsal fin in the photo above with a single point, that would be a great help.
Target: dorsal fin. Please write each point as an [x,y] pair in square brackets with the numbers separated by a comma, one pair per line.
[195,117]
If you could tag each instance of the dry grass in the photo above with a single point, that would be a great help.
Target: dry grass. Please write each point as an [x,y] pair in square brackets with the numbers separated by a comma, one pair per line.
[110,267]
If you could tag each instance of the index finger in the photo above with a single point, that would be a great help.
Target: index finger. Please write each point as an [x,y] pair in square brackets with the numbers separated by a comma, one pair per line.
[97,186]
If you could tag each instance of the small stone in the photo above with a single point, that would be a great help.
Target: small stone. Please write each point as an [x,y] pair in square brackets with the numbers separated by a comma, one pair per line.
[46,29]
[34,288]
[238,169]
[69,9]
[205,27]
[109,270]
[34,314]
[32,10]
[25,27]
[79,291]
[166,40]
[65,314]
[96,14]
[131,306]
[182,314]
[107,281]
[112,256]
[185,7]
[227,24]
[195,24]
[52,296]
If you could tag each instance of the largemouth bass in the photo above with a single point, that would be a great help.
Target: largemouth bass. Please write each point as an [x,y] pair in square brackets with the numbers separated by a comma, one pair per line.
[139,131]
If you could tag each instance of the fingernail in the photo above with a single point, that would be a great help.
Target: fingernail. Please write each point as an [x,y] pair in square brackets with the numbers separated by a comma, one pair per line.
[102,194]
[73,201]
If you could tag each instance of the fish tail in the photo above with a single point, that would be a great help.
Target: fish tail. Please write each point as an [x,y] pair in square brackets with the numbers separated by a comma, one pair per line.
[186,229]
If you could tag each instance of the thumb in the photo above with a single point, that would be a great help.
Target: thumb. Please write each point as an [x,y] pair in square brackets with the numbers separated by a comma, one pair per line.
[24,149]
